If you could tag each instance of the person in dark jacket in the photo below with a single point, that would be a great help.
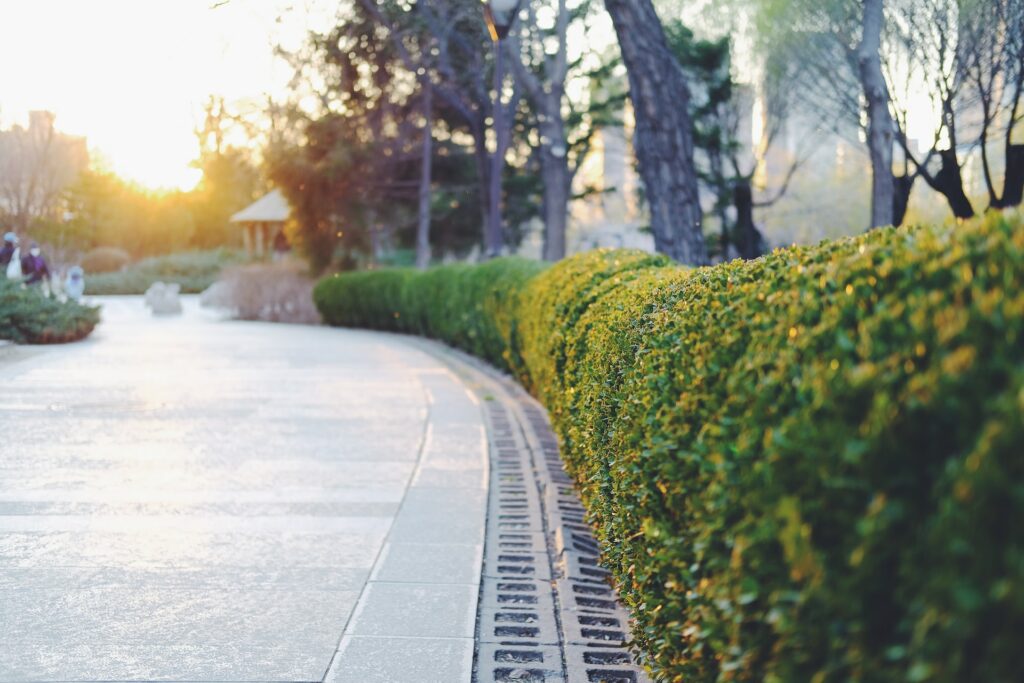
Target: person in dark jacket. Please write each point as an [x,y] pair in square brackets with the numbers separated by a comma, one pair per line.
[7,252]
[33,266]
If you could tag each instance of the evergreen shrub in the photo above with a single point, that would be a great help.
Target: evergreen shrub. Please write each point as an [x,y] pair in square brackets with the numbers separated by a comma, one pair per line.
[807,467]
[28,317]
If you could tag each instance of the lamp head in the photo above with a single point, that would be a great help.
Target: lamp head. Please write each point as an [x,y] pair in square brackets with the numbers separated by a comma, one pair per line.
[500,15]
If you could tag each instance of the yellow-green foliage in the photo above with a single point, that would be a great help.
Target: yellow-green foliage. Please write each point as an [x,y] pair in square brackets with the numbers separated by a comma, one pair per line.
[808,467]
[558,298]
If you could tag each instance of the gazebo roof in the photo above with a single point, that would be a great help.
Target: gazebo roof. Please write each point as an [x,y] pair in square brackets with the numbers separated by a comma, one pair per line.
[270,208]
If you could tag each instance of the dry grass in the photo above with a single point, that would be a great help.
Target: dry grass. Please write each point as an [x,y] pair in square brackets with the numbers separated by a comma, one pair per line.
[280,293]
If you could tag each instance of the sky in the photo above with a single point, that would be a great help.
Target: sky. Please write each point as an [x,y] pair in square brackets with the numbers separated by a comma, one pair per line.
[132,75]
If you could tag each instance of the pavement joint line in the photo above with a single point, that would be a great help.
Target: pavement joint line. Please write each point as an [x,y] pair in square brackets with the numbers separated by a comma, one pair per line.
[531,495]
[349,636]
[361,600]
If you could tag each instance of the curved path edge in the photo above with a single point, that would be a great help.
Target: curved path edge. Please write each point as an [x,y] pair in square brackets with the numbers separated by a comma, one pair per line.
[414,619]
[547,611]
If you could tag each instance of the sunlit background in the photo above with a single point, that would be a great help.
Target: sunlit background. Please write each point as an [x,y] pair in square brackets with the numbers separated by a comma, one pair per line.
[137,80]
[132,75]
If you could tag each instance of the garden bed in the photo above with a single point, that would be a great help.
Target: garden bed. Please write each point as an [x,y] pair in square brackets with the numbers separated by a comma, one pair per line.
[194,271]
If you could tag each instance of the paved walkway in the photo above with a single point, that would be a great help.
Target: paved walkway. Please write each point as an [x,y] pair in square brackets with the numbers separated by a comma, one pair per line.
[190,499]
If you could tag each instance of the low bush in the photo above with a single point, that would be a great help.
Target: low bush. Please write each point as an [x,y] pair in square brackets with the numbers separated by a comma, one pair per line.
[28,317]
[280,293]
[806,467]
[105,260]
[193,270]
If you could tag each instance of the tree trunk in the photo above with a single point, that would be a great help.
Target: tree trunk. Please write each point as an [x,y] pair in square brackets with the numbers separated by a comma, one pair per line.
[544,85]
[555,174]
[423,223]
[724,238]
[950,184]
[986,166]
[495,230]
[1013,178]
[880,125]
[483,170]
[557,180]
[1013,175]
[902,185]
[376,247]
[748,239]
[664,144]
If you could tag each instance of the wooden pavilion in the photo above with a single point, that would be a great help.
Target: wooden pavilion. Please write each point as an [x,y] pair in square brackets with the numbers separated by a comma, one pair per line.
[262,223]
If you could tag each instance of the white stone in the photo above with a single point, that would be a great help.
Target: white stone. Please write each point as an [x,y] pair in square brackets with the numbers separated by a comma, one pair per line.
[163,298]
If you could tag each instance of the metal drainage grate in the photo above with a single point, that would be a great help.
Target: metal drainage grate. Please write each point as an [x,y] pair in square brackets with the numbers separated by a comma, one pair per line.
[547,612]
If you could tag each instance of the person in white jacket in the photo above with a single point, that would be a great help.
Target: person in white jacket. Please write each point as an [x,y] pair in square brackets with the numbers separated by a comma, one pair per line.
[74,285]
[10,257]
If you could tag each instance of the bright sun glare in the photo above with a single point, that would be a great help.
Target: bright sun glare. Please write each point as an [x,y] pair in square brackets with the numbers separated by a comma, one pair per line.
[132,75]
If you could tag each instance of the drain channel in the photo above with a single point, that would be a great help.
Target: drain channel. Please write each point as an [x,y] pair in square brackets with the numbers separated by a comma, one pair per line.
[547,611]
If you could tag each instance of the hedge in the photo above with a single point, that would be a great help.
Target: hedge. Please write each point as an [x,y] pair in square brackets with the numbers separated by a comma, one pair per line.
[808,467]
[28,317]
[472,307]
[194,271]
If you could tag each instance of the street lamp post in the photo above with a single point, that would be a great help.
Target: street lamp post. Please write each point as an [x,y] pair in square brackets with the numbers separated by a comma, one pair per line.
[500,15]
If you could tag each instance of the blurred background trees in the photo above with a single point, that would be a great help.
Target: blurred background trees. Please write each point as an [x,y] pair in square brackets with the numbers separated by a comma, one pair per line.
[231,177]
[795,114]
[37,164]
[354,173]
[705,129]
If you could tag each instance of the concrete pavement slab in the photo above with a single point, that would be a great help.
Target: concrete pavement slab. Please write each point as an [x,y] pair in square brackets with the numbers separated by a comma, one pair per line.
[402,660]
[441,515]
[429,563]
[193,499]
[415,609]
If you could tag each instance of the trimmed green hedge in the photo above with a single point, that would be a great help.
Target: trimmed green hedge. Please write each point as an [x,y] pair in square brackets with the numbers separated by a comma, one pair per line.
[808,467]
[472,307]
[28,317]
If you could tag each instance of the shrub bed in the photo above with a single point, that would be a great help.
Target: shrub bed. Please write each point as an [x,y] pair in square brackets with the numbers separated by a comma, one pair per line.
[193,270]
[808,467]
[28,317]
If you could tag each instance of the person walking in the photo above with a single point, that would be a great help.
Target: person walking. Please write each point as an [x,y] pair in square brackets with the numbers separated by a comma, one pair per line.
[8,255]
[74,285]
[34,268]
